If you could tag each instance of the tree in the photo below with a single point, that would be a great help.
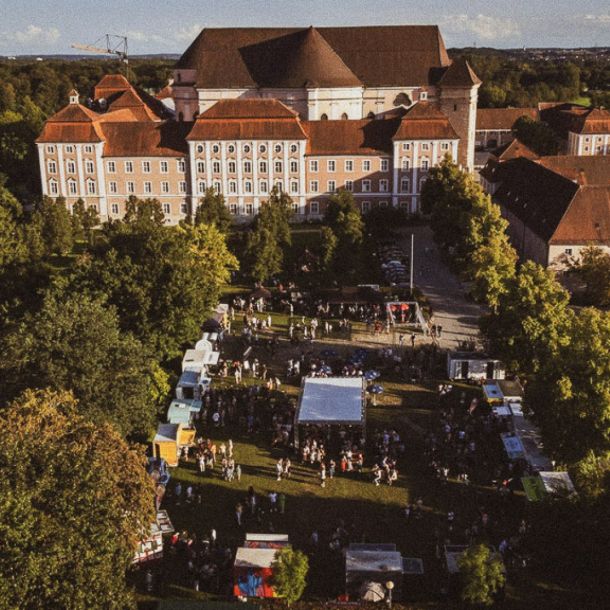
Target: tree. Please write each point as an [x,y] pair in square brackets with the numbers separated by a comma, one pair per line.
[84,220]
[592,475]
[55,225]
[74,500]
[290,569]
[345,221]
[537,135]
[482,574]
[531,322]
[213,210]
[13,247]
[74,343]
[593,269]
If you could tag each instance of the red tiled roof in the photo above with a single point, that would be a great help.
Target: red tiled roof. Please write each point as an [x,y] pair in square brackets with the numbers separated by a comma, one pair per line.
[424,121]
[73,123]
[597,120]
[459,74]
[502,118]
[110,84]
[145,139]
[164,93]
[373,56]
[248,109]
[364,137]
[512,150]
[591,170]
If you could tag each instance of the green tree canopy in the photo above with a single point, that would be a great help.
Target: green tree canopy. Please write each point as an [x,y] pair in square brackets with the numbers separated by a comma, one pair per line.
[482,574]
[593,269]
[74,500]
[537,135]
[290,570]
[74,343]
[54,224]
[212,210]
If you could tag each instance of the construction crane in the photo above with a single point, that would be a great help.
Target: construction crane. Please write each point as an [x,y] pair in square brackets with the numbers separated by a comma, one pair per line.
[115,45]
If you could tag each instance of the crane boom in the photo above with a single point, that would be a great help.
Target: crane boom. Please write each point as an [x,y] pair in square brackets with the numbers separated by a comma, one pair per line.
[92,49]
[115,45]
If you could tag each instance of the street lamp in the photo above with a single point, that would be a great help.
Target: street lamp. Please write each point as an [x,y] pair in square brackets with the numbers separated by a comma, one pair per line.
[389,586]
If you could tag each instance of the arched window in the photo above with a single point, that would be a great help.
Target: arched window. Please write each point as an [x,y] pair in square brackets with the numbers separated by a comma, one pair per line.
[402,99]
[232,167]
[324,117]
[370,115]
[344,116]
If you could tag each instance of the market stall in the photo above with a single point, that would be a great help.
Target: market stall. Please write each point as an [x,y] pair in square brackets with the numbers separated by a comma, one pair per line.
[252,572]
[474,366]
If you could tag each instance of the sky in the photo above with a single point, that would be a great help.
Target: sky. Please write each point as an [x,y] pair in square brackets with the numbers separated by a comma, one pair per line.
[168,26]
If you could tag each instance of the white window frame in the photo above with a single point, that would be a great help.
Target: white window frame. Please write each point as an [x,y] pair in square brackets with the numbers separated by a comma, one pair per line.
[314,207]
[201,187]
[53,187]
[147,187]
[294,187]
[262,167]
[263,186]
[113,187]
[349,185]
[130,187]
[383,185]
[231,167]
[50,149]
[331,186]
[366,186]
[384,165]
[313,165]
[89,149]
[314,186]
[52,167]
[89,167]
[167,208]
[349,165]
[216,167]
[163,167]
[181,165]
[129,167]
[200,167]
[331,166]
[248,186]
[165,187]
[69,148]
[91,187]
[406,145]
[182,187]
[72,187]
[278,167]
[247,167]
[294,166]
[114,208]
[146,167]
[405,185]
[366,165]
[111,167]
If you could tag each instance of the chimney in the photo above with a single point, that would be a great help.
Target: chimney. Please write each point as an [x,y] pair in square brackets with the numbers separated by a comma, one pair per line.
[73,95]
[582,177]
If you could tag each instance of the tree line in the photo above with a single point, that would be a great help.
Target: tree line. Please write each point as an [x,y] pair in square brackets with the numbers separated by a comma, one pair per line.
[561,354]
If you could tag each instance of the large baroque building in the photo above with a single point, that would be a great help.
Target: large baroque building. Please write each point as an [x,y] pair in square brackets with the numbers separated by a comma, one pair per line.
[309,111]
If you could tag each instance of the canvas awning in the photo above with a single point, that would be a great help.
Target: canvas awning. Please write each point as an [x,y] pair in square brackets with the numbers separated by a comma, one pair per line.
[254,558]
[332,400]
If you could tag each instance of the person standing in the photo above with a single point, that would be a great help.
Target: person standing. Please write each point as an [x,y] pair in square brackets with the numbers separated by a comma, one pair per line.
[279,469]
[412,339]
[322,475]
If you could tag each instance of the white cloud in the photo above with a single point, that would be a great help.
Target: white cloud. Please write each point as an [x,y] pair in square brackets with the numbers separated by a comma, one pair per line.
[600,20]
[190,33]
[138,36]
[483,27]
[31,34]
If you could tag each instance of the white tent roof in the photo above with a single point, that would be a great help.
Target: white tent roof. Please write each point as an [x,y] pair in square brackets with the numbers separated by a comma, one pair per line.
[332,399]
[254,558]
[557,482]
[373,561]
[267,537]
[193,360]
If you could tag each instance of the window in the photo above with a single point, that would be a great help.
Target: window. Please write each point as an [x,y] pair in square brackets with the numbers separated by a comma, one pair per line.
[218,187]
[383,186]
[71,187]
[233,208]
[277,167]
[50,149]
[89,168]
[332,186]
[183,208]
[216,167]
[366,165]
[215,149]
[423,95]
[384,165]
[568,251]
[163,167]
[404,185]
[199,148]
[262,186]
[324,117]
[114,208]
[344,116]
[130,187]
[313,165]
[295,208]
[167,208]
[294,167]
[406,145]
[247,148]
[366,206]
[279,186]
[181,165]
[262,167]
[331,165]
[425,163]
[314,207]
[148,188]
[444,145]
[278,148]
[248,186]
[313,186]
[88,149]
[201,167]
[249,209]
[232,186]
[421,183]
[404,163]
[52,167]
[231,148]
[146,167]
[69,148]
[293,148]
[454,107]
[425,146]
[201,187]
[294,187]
[111,167]
[165,187]
[349,185]
[53,188]
[262,148]
[232,167]
[182,187]
[129,167]
[112,187]
[90,187]
[366,186]
[248,167]
[349,165]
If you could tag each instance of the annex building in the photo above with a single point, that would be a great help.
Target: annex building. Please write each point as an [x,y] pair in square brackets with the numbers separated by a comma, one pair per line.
[308,111]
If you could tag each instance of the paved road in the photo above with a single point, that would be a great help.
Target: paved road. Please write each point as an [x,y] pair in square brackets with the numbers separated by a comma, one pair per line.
[457,315]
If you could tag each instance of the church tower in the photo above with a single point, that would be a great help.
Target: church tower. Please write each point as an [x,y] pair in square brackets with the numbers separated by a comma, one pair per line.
[458,97]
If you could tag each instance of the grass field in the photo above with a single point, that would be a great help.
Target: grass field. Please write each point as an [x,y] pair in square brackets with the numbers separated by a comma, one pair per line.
[374,514]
